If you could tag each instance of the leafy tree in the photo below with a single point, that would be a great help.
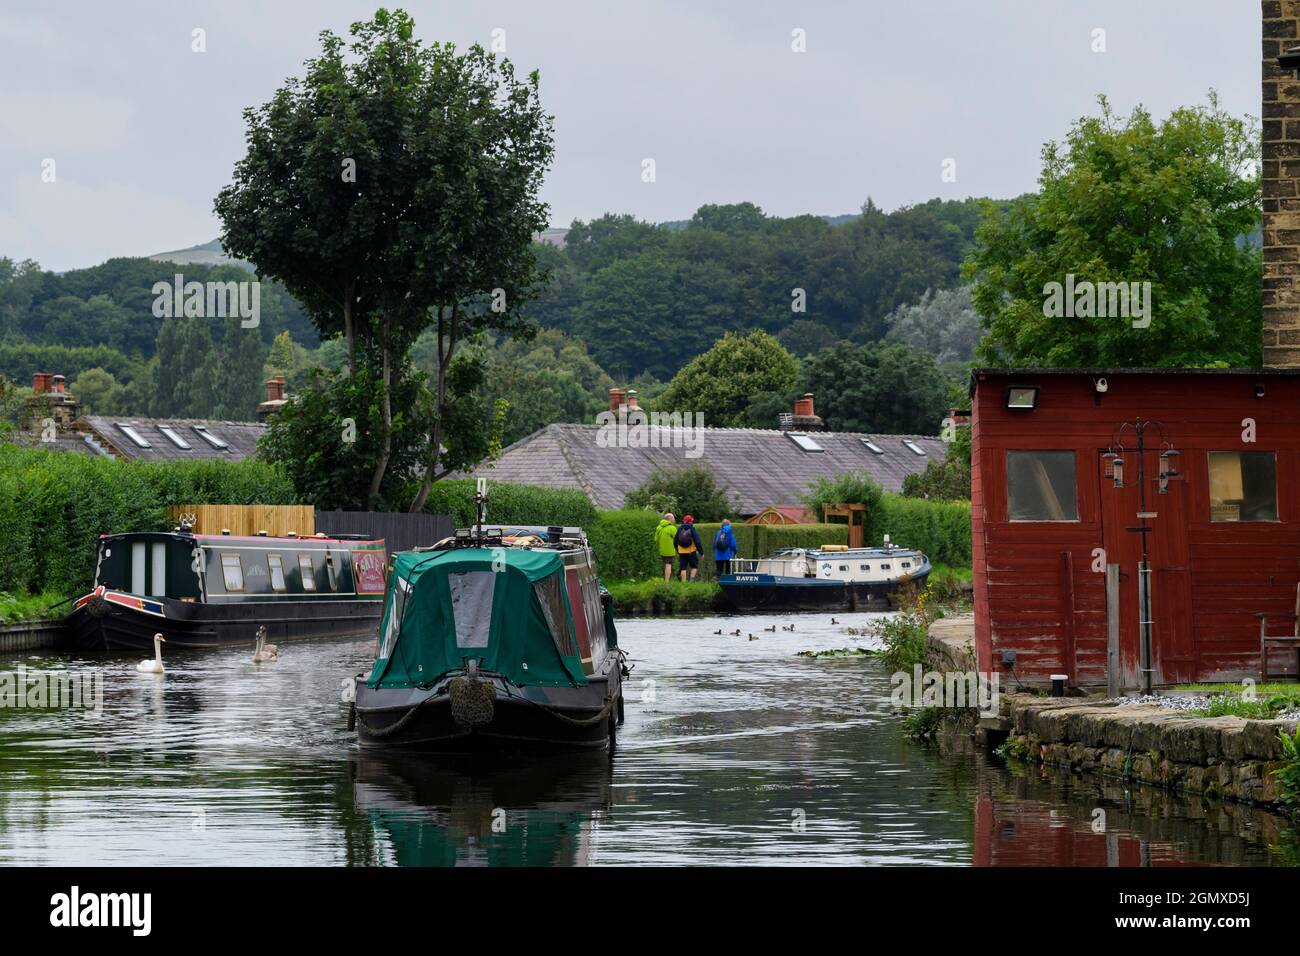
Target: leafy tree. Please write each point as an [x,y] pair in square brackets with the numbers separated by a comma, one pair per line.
[1130,200]
[942,322]
[692,490]
[280,360]
[98,392]
[183,386]
[946,480]
[848,488]
[889,389]
[720,383]
[235,371]
[394,191]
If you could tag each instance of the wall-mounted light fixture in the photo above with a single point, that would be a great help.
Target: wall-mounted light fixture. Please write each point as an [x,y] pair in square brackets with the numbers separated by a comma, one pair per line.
[1022,397]
[1259,390]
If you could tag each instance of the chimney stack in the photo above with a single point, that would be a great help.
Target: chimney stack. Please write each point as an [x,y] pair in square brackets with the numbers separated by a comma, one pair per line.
[805,418]
[615,399]
[1281,187]
[274,398]
[631,399]
[50,399]
[58,384]
[41,382]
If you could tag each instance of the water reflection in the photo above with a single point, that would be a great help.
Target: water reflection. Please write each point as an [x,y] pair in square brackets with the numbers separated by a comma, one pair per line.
[734,751]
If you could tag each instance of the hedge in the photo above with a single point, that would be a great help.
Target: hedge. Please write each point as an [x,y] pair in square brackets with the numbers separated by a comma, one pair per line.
[54,505]
[939,528]
[511,504]
[625,546]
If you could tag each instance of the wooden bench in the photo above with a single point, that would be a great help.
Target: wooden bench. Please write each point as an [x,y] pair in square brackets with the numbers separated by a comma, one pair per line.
[1268,642]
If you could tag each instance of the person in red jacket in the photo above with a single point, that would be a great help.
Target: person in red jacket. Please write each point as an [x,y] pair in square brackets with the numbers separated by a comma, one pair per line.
[689,547]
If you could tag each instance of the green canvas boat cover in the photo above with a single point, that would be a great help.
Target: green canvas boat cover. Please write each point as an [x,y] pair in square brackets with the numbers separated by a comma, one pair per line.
[507,608]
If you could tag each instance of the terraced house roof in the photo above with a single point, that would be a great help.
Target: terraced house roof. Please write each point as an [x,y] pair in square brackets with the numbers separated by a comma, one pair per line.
[761,467]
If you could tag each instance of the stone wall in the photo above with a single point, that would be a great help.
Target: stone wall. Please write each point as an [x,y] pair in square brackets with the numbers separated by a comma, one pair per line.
[1227,757]
[1281,187]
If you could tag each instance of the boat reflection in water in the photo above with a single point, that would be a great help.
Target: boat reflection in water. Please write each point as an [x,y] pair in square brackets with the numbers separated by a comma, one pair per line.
[476,811]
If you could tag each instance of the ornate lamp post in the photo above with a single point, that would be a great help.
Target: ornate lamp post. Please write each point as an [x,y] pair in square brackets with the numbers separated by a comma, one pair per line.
[1115,459]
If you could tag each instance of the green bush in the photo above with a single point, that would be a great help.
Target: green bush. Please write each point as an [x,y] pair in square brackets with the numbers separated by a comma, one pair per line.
[511,504]
[54,505]
[939,528]
[624,543]
[659,597]
[692,490]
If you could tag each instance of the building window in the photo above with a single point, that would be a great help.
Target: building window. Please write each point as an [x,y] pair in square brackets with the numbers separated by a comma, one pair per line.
[276,565]
[233,572]
[1041,486]
[1243,486]
[307,572]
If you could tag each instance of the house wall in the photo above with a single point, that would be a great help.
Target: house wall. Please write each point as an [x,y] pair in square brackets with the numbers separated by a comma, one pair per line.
[1040,586]
[1281,170]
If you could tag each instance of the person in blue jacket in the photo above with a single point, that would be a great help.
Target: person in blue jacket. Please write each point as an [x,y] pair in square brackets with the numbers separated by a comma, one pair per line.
[724,547]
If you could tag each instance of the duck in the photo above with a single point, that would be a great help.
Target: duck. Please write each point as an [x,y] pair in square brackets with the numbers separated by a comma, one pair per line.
[718,631]
[771,629]
[790,628]
[154,666]
[264,652]
[736,633]
[752,637]
[833,621]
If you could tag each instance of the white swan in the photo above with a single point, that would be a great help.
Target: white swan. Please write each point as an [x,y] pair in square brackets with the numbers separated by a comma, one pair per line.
[154,666]
[264,652]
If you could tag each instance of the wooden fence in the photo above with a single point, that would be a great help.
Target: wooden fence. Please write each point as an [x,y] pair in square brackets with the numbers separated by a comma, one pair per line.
[250,519]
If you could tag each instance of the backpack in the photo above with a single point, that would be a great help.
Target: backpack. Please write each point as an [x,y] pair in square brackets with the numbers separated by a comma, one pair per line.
[720,541]
[685,539]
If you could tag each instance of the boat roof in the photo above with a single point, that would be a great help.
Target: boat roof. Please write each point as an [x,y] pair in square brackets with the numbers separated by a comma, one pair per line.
[254,538]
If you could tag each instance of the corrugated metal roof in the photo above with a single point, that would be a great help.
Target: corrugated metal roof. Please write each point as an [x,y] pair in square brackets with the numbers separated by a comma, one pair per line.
[761,467]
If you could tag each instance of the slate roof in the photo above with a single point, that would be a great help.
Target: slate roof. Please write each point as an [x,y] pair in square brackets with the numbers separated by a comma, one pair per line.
[761,467]
[241,437]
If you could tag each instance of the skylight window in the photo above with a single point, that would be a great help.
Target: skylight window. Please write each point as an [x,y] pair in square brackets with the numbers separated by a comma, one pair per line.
[209,437]
[806,443]
[175,437]
[872,446]
[132,433]
[916,449]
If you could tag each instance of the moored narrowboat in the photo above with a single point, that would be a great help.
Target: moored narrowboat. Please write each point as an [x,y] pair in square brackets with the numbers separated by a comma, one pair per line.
[830,578]
[494,640]
[201,590]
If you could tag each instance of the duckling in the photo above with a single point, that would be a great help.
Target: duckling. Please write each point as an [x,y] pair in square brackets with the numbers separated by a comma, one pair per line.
[833,621]
[736,633]
[718,631]
[154,666]
[752,637]
[771,629]
[264,653]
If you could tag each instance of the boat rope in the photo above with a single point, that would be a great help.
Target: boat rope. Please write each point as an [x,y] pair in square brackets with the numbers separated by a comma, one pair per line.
[396,725]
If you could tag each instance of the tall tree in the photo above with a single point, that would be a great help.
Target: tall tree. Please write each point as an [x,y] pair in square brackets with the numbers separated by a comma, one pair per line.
[889,389]
[1129,200]
[721,382]
[394,191]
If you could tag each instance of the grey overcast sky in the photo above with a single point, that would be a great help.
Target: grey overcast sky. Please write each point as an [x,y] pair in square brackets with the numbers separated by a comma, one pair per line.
[144,131]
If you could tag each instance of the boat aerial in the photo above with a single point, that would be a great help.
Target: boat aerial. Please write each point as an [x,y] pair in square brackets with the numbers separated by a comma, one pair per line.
[829,578]
[201,590]
[494,638]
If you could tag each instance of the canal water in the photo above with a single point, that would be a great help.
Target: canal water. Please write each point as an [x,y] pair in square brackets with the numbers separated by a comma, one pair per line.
[734,751]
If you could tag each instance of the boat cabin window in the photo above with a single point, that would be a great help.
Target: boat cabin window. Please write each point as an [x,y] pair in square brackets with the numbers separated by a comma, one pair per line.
[158,569]
[886,566]
[844,567]
[907,564]
[864,567]
[232,570]
[307,571]
[1243,486]
[471,606]
[1041,486]
[332,571]
[137,567]
[276,564]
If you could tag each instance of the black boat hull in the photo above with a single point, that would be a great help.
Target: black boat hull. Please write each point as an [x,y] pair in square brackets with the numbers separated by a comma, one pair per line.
[429,720]
[812,594]
[100,624]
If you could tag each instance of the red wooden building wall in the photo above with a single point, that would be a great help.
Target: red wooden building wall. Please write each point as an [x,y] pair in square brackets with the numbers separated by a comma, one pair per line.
[1039,590]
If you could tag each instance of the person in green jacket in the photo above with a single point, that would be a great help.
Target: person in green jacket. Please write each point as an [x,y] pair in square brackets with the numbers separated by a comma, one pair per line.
[664,537]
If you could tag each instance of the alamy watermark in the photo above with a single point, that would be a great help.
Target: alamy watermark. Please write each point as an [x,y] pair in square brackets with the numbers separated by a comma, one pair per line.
[1102,300]
[951,690]
[637,429]
[199,300]
[53,690]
